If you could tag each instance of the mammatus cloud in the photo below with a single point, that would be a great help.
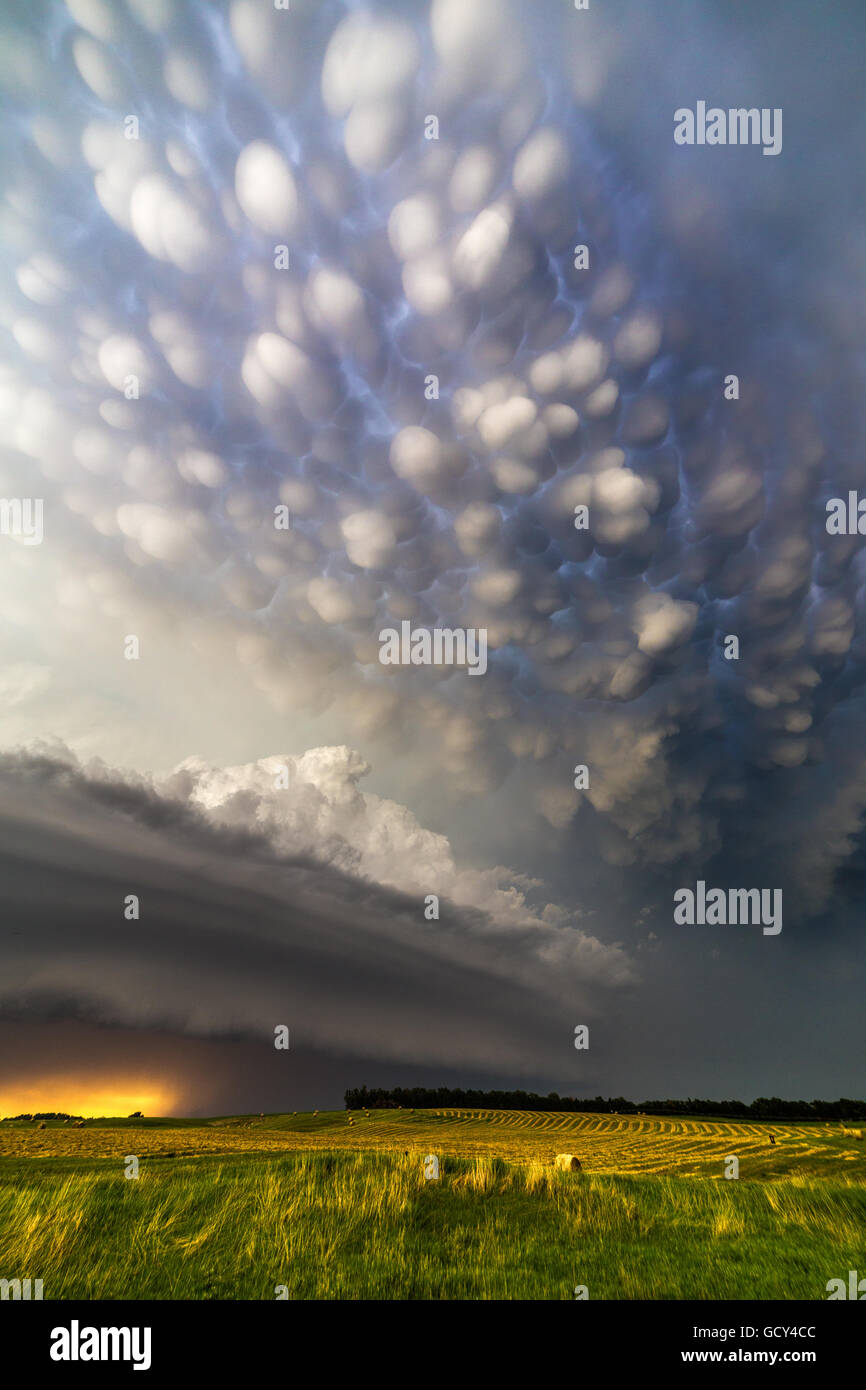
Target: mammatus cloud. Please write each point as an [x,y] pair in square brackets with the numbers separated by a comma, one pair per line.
[321,320]
[386,335]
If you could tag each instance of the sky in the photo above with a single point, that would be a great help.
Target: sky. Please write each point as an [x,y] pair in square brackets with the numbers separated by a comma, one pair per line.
[323,320]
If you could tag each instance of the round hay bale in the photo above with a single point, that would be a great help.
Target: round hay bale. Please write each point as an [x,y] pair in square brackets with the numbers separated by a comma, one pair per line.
[568,1163]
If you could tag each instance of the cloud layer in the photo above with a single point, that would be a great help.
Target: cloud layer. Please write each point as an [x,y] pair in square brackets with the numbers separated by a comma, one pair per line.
[302,903]
[322,319]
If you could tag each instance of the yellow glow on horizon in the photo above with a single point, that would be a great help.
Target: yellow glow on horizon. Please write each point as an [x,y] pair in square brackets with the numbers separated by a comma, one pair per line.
[92,1100]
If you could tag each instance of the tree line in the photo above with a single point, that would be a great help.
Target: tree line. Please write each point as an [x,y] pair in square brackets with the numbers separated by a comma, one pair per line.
[764,1108]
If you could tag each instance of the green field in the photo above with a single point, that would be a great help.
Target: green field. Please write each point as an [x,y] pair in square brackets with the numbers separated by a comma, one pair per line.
[319,1207]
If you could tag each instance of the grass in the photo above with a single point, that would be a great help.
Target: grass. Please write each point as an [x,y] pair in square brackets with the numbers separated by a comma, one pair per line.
[231,1209]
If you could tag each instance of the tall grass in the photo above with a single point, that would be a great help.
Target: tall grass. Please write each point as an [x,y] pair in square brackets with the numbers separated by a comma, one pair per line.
[350,1225]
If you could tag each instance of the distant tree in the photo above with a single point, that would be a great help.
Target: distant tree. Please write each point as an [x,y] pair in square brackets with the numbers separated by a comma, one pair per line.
[764,1108]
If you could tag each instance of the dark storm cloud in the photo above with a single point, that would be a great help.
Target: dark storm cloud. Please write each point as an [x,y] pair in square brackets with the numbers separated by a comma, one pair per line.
[63,1056]
[238,936]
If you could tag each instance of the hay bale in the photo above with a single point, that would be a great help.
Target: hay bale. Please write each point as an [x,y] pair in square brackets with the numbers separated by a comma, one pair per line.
[569,1163]
[42,1126]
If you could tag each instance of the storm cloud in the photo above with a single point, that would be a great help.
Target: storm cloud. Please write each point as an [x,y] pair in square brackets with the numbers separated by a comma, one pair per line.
[320,320]
[255,907]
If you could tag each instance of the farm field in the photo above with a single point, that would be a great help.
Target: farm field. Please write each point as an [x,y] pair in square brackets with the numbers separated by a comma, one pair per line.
[314,1206]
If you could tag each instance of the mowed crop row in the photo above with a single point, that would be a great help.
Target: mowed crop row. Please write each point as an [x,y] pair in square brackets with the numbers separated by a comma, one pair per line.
[603,1143]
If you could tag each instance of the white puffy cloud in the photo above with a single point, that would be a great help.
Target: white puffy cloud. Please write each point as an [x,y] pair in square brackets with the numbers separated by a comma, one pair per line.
[541,164]
[182,539]
[497,587]
[500,423]
[414,226]
[122,356]
[44,279]
[639,338]
[99,68]
[172,225]
[265,188]
[418,456]
[477,527]
[479,44]
[270,42]
[481,249]
[99,17]
[313,803]
[473,178]
[368,57]
[370,62]
[273,368]
[662,623]
[187,79]
[332,600]
[370,539]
